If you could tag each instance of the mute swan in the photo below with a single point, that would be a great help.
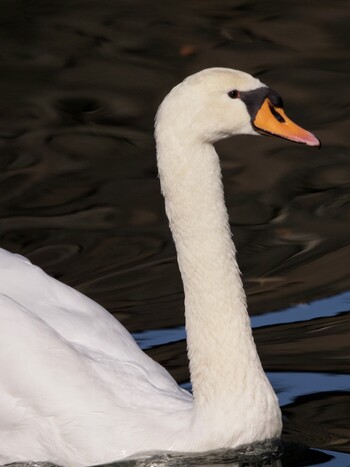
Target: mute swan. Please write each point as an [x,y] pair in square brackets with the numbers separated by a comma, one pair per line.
[75,387]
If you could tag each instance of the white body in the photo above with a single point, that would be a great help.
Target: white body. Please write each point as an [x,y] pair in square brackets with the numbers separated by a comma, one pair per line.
[75,388]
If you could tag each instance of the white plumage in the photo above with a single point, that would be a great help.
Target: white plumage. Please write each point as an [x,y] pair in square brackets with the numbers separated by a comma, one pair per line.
[75,387]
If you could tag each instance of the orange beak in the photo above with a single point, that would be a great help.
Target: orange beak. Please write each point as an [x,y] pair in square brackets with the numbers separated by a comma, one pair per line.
[272,120]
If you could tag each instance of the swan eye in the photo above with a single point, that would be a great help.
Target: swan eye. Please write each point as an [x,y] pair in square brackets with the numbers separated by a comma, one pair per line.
[234,94]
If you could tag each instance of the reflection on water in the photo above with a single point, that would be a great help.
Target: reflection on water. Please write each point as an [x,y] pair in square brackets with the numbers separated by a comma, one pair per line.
[263,454]
[271,453]
[329,306]
[290,385]
[80,82]
[155,337]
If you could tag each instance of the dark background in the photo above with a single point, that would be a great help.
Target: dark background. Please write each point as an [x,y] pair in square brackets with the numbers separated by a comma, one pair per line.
[80,82]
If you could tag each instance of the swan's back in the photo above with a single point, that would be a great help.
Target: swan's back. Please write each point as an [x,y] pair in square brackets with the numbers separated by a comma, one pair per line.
[74,316]
[76,367]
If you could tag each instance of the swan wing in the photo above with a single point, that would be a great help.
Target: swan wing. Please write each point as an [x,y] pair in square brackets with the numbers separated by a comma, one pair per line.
[78,320]
[62,397]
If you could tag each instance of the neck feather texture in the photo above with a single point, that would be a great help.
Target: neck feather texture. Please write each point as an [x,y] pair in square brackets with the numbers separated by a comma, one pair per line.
[223,359]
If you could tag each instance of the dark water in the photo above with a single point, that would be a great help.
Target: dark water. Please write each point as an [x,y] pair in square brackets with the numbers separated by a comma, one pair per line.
[80,82]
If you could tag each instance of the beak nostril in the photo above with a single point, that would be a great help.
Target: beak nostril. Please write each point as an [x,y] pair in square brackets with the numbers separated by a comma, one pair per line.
[276,114]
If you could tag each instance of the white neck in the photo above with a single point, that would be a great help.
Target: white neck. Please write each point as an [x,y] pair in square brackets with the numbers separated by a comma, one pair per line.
[221,350]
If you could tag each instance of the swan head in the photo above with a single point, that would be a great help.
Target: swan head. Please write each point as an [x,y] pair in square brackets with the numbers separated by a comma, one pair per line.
[219,102]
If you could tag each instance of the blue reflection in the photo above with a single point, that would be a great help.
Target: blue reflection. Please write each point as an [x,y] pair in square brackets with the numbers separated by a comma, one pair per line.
[341,459]
[304,312]
[151,338]
[319,308]
[290,385]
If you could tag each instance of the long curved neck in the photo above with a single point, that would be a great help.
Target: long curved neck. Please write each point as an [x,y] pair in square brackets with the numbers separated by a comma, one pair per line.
[221,350]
